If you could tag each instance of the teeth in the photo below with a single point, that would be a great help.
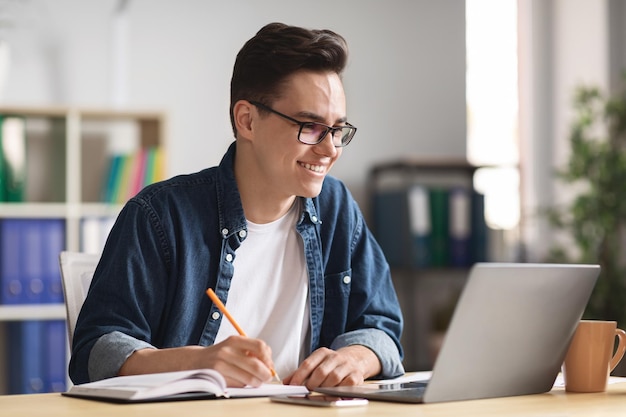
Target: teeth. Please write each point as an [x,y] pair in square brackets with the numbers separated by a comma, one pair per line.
[316,168]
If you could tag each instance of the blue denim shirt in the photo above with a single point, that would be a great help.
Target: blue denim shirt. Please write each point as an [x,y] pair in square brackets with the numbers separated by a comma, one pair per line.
[179,237]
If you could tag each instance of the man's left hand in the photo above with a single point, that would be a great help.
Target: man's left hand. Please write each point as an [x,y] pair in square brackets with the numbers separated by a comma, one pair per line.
[350,365]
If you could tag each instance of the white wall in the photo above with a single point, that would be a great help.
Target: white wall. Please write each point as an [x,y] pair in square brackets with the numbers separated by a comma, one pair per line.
[564,44]
[405,81]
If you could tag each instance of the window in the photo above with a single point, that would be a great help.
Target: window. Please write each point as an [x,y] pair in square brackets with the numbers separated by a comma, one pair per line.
[492,107]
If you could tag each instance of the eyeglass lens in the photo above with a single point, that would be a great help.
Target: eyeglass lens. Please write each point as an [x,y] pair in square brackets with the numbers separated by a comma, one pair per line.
[313,133]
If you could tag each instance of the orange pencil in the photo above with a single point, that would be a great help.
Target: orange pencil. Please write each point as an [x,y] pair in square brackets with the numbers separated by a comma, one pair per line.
[232,320]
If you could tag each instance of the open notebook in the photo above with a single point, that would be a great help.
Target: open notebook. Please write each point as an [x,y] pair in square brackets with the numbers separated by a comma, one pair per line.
[171,386]
[508,336]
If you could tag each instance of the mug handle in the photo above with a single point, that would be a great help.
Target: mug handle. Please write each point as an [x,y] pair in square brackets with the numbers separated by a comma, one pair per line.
[621,349]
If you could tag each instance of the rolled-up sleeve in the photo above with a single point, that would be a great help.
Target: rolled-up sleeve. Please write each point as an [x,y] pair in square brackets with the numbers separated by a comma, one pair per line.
[110,352]
[378,342]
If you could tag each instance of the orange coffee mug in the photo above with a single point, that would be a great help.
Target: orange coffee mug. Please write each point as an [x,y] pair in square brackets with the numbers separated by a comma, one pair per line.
[590,358]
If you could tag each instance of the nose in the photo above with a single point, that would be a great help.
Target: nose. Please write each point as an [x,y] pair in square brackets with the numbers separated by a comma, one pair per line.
[327,147]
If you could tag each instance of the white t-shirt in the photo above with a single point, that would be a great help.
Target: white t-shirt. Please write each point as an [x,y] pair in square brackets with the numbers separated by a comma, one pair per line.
[268,294]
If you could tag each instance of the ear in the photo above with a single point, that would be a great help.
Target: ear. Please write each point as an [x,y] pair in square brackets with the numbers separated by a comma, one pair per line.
[243,115]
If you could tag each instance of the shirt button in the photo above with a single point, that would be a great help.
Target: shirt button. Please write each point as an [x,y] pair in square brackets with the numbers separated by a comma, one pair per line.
[229,257]
[215,315]
[314,218]
[242,233]
[347,279]
[224,231]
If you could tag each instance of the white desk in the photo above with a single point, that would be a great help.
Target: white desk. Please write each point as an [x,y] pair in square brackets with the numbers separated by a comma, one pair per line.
[556,403]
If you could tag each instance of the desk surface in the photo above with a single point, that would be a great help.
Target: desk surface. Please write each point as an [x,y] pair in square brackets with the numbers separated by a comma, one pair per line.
[556,402]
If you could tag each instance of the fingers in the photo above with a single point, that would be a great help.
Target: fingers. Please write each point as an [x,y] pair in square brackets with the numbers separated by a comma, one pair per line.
[241,360]
[326,368]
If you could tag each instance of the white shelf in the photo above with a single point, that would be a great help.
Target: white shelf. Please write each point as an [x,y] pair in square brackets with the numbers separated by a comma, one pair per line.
[32,312]
[33,210]
[61,210]
[99,209]
[68,158]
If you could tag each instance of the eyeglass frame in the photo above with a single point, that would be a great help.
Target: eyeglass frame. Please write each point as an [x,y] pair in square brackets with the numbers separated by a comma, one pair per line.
[329,129]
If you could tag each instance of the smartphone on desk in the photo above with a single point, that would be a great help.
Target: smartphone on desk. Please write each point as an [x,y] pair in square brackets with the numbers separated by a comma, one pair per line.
[319,400]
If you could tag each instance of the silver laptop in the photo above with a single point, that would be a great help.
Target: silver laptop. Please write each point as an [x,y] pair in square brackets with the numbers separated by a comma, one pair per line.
[508,336]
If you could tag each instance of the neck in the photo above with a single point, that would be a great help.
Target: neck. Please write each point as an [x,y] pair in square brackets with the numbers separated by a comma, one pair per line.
[262,203]
[259,208]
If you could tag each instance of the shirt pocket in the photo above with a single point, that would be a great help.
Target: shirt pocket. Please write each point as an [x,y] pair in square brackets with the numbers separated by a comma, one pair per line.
[336,301]
[338,285]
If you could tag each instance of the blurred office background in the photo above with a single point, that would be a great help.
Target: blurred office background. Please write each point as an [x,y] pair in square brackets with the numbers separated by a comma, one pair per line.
[409,80]
[487,81]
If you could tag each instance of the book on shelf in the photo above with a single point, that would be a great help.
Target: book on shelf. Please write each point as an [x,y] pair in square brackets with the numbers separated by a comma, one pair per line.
[129,173]
[112,181]
[178,385]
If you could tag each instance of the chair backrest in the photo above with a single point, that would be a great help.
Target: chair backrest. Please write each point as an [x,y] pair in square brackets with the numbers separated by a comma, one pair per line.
[77,269]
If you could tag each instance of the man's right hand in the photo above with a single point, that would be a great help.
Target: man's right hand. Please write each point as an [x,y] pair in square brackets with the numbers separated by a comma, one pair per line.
[241,360]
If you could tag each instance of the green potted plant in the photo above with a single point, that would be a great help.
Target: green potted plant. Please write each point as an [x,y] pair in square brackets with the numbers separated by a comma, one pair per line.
[596,217]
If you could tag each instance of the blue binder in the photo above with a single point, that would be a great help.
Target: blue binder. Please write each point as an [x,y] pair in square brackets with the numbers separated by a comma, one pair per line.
[480,230]
[55,352]
[419,226]
[12,291]
[391,225]
[25,361]
[53,241]
[460,227]
[31,258]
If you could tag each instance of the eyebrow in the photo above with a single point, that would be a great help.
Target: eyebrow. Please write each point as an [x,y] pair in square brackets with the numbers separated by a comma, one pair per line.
[318,118]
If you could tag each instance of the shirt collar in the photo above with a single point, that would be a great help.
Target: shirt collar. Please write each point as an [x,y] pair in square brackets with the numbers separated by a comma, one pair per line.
[231,215]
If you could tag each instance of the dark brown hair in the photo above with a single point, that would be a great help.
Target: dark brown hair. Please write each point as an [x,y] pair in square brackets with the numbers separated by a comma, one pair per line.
[276,52]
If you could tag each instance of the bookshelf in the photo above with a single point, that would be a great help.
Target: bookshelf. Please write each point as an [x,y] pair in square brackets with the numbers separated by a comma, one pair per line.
[429,220]
[68,157]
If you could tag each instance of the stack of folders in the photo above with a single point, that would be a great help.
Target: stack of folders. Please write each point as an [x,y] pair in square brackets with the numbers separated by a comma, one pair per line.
[431,226]
[29,274]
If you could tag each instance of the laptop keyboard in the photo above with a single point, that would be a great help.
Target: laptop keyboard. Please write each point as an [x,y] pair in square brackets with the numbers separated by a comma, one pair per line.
[410,388]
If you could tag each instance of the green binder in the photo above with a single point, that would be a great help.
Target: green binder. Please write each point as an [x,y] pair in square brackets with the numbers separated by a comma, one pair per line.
[13,170]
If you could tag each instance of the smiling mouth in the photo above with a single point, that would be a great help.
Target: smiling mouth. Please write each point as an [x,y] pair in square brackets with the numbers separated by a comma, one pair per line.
[314,168]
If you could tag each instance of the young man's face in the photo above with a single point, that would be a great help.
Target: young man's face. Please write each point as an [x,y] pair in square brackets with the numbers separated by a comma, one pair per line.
[291,167]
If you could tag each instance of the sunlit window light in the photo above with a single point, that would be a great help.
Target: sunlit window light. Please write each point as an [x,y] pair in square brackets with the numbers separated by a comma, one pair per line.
[492,107]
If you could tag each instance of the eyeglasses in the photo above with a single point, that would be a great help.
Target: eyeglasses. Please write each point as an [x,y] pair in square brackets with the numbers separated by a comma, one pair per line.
[312,133]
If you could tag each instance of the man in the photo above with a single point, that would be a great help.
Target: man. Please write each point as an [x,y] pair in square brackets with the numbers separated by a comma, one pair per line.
[283,245]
